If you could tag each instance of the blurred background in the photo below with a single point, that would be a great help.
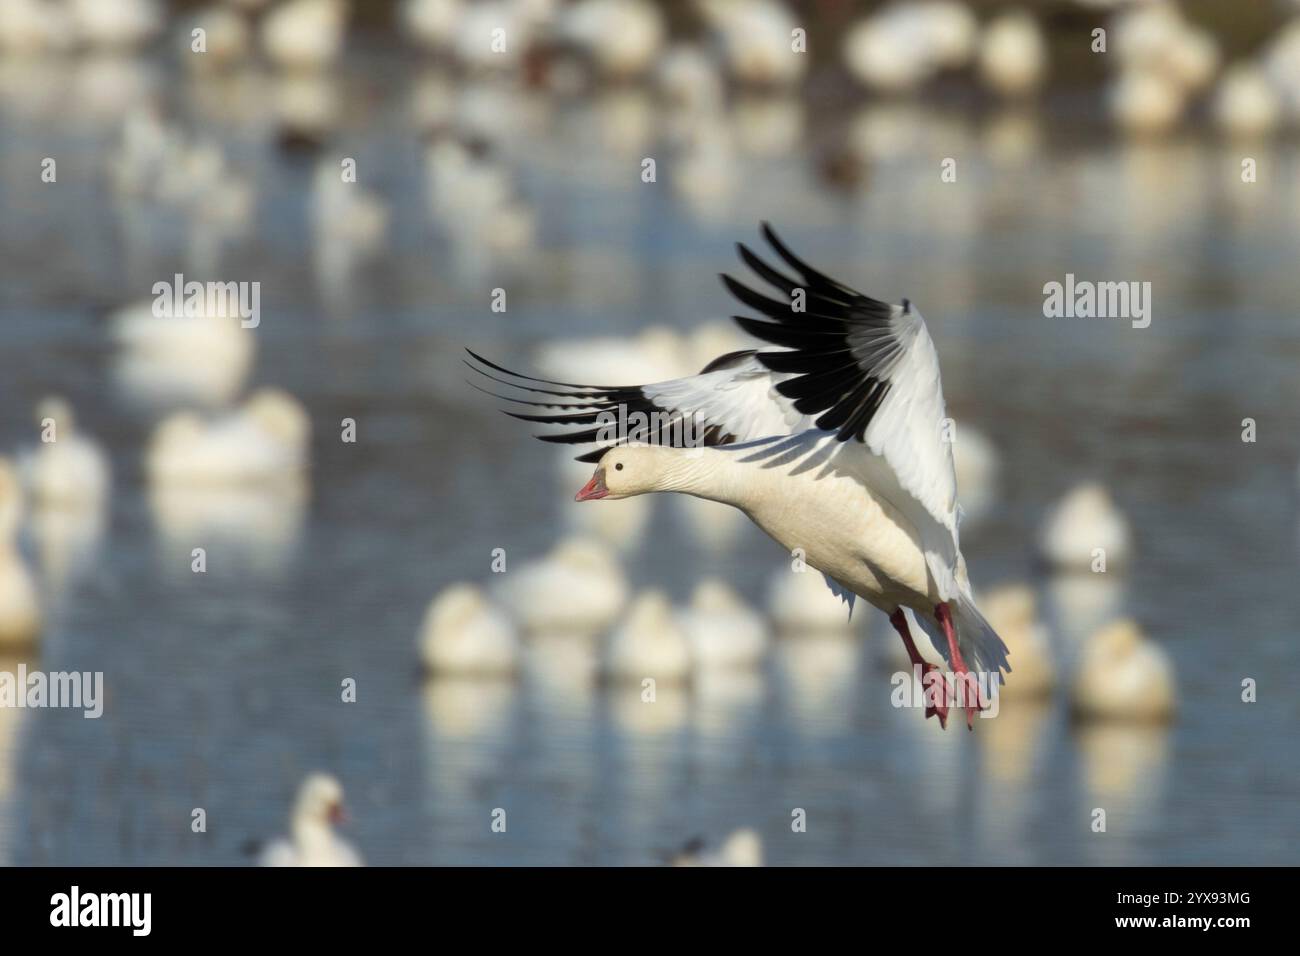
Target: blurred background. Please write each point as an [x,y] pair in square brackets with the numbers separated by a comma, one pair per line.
[380,168]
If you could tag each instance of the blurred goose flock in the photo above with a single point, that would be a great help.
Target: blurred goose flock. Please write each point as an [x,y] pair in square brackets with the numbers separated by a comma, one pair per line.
[306,554]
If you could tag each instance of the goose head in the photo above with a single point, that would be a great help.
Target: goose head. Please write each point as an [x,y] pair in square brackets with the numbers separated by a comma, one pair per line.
[319,805]
[628,470]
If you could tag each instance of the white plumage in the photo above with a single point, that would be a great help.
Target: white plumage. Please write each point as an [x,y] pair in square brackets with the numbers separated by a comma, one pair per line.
[312,840]
[833,443]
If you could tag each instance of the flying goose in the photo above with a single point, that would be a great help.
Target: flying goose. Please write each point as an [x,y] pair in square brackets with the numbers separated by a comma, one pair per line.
[833,443]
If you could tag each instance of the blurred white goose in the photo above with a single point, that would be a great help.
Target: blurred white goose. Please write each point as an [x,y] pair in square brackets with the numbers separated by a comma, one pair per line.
[227,40]
[653,355]
[312,840]
[799,603]
[463,634]
[475,199]
[1155,37]
[904,44]
[1123,676]
[578,587]
[1144,101]
[832,443]
[722,630]
[621,38]
[1085,520]
[168,360]
[347,213]
[742,848]
[305,34]
[67,471]
[756,39]
[20,611]
[1245,102]
[33,26]
[115,24]
[266,439]
[648,643]
[976,463]
[688,79]
[431,24]
[1013,611]
[1282,64]
[1013,54]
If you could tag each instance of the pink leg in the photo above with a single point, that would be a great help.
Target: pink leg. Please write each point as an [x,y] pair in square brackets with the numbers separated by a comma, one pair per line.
[940,709]
[971,688]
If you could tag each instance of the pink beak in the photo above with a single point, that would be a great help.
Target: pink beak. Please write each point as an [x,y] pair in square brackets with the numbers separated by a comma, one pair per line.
[338,814]
[593,489]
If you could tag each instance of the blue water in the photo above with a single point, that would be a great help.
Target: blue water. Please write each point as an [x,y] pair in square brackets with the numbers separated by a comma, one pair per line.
[223,689]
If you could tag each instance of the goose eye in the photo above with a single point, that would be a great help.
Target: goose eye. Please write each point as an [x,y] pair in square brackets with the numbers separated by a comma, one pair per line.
[618,466]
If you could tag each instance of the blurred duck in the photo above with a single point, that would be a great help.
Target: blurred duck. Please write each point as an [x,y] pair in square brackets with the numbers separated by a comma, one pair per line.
[265,439]
[69,470]
[800,602]
[742,848]
[20,612]
[115,24]
[578,587]
[1123,676]
[312,840]
[1013,54]
[464,635]
[648,643]
[722,630]
[904,44]
[1013,612]
[755,38]
[1083,521]
[1245,102]
[305,34]
[166,359]
[621,39]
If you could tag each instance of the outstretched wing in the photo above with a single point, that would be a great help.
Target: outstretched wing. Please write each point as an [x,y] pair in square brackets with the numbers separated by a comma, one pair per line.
[733,400]
[867,372]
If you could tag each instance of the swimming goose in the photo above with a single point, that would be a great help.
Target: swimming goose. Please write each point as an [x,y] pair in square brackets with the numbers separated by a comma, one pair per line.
[312,840]
[723,632]
[264,440]
[20,612]
[578,588]
[1123,676]
[832,443]
[742,848]
[464,634]
[67,470]
[650,643]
